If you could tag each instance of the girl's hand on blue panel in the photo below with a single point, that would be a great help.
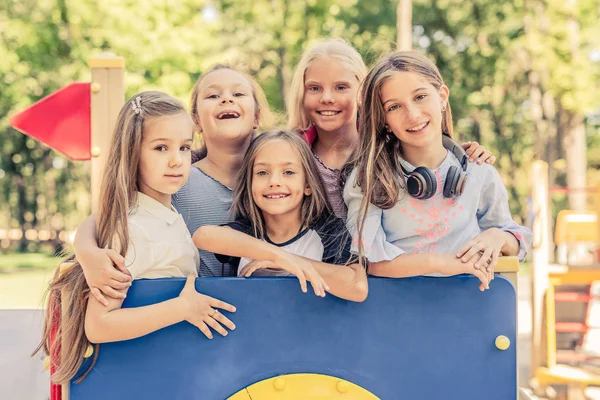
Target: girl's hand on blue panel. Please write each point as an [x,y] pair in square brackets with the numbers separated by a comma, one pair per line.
[478,153]
[201,310]
[450,265]
[254,265]
[301,268]
[484,250]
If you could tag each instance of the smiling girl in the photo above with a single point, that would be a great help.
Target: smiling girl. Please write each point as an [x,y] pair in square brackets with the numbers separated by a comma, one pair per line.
[323,105]
[227,107]
[149,161]
[405,208]
[283,224]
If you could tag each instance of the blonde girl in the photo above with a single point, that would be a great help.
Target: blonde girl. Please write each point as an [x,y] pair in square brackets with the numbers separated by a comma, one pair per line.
[227,108]
[323,106]
[149,161]
[283,223]
[405,208]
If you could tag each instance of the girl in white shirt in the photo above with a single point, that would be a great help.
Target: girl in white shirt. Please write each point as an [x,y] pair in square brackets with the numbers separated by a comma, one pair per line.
[149,160]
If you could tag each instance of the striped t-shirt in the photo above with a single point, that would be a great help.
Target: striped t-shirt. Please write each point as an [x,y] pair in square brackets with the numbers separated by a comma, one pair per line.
[205,201]
[332,178]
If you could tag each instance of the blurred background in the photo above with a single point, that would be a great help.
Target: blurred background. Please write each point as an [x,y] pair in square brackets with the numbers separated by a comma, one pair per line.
[524,77]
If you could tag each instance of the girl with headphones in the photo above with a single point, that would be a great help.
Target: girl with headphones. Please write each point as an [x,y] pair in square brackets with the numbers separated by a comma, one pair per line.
[415,206]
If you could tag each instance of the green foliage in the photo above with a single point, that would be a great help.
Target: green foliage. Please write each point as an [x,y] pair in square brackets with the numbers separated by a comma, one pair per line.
[482,47]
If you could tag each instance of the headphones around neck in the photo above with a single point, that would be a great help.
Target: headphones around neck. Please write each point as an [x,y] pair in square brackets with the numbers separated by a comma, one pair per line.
[421,183]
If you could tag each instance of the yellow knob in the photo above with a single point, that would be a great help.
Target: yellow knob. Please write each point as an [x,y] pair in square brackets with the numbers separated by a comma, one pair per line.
[279,383]
[95,87]
[95,151]
[502,342]
[47,363]
[342,386]
[89,351]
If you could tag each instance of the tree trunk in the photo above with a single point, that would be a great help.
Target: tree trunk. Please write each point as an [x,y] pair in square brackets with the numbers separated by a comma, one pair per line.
[574,145]
[404,25]
[574,129]
[283,72]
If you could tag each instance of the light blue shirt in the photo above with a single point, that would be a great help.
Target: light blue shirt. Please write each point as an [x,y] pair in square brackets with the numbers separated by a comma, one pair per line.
[436,225]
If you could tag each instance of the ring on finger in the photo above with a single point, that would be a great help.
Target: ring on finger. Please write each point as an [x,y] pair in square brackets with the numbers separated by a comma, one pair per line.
[213,314]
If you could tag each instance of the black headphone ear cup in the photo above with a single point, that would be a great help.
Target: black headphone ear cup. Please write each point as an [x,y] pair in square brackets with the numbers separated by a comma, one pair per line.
[452,182]
[421,183]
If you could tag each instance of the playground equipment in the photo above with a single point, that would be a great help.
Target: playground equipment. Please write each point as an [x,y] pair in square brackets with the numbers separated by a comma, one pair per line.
[78,119]
[418,338]
[562,294]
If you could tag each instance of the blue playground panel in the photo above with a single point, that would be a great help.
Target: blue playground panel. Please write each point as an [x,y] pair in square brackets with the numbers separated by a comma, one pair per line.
[418,338]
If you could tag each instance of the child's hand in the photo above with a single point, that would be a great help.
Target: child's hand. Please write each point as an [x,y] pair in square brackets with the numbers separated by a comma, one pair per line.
[295,265]
[451,265]
[201,310]
[254,265]
[101,275]
[484,250]
[478,153]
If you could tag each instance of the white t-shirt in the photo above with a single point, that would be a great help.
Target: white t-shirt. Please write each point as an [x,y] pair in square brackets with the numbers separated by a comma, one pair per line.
[160,245]
[326,240]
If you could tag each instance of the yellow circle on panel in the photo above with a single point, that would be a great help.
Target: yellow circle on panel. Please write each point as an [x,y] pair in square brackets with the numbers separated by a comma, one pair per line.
[304,387]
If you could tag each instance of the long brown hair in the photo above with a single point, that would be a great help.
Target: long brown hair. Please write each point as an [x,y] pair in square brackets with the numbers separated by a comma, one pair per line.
[313,206]
[261,106]
[377,158]
[118,194]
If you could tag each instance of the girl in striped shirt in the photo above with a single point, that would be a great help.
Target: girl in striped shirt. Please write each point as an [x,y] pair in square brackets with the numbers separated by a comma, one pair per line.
[227,108]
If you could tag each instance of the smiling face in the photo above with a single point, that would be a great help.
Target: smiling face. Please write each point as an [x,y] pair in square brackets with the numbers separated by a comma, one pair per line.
[278,181]
[330,95]
[226,107]
[165,156]
[413,109]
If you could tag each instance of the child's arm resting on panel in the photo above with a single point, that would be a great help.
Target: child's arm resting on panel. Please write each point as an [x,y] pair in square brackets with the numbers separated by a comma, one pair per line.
[99,264]
[485,248]
[408,265]
[113,323]
[344,281]
[226,240]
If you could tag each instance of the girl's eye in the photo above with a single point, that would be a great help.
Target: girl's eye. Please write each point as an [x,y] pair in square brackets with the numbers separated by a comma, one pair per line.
[420,97]
[341,87]
[393,107]
[212,96]
[261,173]
[186,148]
[290,172]
[313,88]
[239,94]
[162,147]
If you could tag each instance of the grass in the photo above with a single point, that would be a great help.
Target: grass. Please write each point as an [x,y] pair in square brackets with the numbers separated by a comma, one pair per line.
[24,262]
[24,279]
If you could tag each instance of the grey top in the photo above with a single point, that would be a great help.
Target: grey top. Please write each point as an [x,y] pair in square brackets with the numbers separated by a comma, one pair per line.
[436,225]
[205,201]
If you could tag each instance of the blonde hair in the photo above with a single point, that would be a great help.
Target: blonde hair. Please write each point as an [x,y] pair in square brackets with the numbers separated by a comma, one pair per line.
[313,206]
[377,158]
[118,194]
[262,111]
[335,48]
